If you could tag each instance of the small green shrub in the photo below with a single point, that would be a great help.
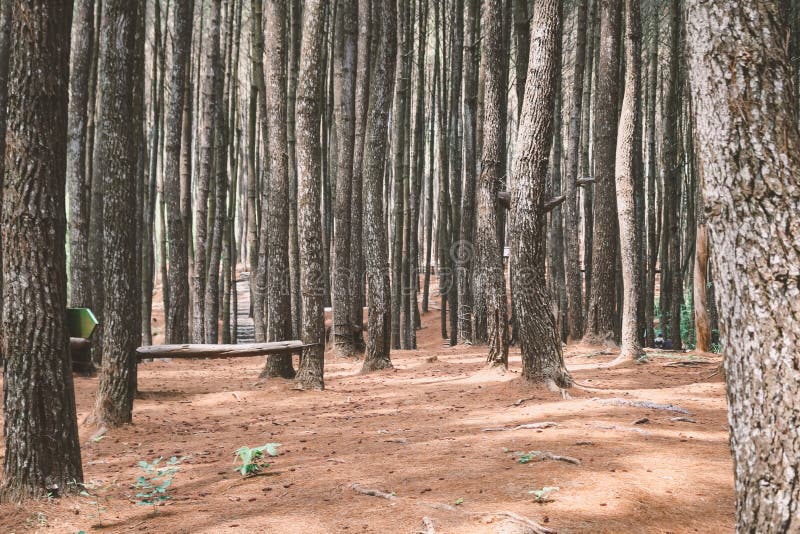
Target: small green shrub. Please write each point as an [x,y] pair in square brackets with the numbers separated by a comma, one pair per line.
[250,460]
[154,485]
[542,495]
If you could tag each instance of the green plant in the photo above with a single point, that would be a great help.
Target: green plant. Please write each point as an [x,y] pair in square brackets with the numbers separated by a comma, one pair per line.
[542,495]
[251,458]
[95,492]
[525,458]
[154,484]
[459,501]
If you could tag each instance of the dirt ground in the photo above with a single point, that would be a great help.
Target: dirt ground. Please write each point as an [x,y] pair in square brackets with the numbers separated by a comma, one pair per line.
[416,432]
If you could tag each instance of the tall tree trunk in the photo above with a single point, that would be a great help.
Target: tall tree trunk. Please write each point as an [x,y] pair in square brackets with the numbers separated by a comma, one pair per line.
[556,234]
[746,113]
[148,234]
[650,132]
[670,173]
[417,175]
[41,431]
[258,86]
[364,47]
[5,53]
[455,164]
[78,183]
[117,157]
[177,319]
[218,202]
[279,316]
[310,371]
[627,168]
[489,271]
[542,360]
[465,252]
[294,246]
[585,163]
[574,284]
[380,101]
[186,179]
[444,223]
[344,87]
[428,225]
[399,150]
[207,141]
[600,327]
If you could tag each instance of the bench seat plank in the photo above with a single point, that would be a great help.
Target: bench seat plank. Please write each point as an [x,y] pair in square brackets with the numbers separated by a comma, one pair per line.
[218,351]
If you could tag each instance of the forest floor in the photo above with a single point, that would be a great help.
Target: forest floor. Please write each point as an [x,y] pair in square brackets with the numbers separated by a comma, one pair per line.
[416,432]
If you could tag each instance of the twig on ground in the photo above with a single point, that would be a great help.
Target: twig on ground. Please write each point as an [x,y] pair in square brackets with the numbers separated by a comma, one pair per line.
[544,424]
[372,492]
[683,420]
[559,458]
[643,404]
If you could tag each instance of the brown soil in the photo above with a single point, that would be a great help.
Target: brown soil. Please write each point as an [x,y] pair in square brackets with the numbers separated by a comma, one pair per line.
[416,431]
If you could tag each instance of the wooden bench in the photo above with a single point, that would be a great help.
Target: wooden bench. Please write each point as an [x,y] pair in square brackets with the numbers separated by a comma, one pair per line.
[191,351]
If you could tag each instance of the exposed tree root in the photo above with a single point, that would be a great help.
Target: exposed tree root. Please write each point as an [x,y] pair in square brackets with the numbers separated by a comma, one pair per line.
[372,492]
[544,424]
[644,404]
[532,526]
[559,458]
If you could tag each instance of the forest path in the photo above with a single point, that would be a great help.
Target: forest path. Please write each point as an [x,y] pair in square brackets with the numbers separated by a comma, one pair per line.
[245,328]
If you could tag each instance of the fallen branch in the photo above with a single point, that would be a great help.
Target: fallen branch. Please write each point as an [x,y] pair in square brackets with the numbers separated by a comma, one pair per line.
[545,424]
[582,182]
[372,492]
[644,404]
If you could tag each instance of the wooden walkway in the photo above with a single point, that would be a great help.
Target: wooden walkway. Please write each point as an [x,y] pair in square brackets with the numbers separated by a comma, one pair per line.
[245,329]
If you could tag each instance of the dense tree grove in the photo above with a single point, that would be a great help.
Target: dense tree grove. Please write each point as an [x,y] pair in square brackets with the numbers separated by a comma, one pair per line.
[619,173]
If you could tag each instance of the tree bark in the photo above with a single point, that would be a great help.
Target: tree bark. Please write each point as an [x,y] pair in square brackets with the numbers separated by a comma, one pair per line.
[572,257]
[380,101]
[489,250]
[344,87]
[542,360]
[117,157]
[600,327]
[465,255]
[208,135]
[671,280]
[78,182]
[399,150]
[177,319]
[42,452]
[310,371]
[294,259]
[364,47]
[746,114]
[457,249]
[218,202]
[279,316]
[629,149]
[650,132]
